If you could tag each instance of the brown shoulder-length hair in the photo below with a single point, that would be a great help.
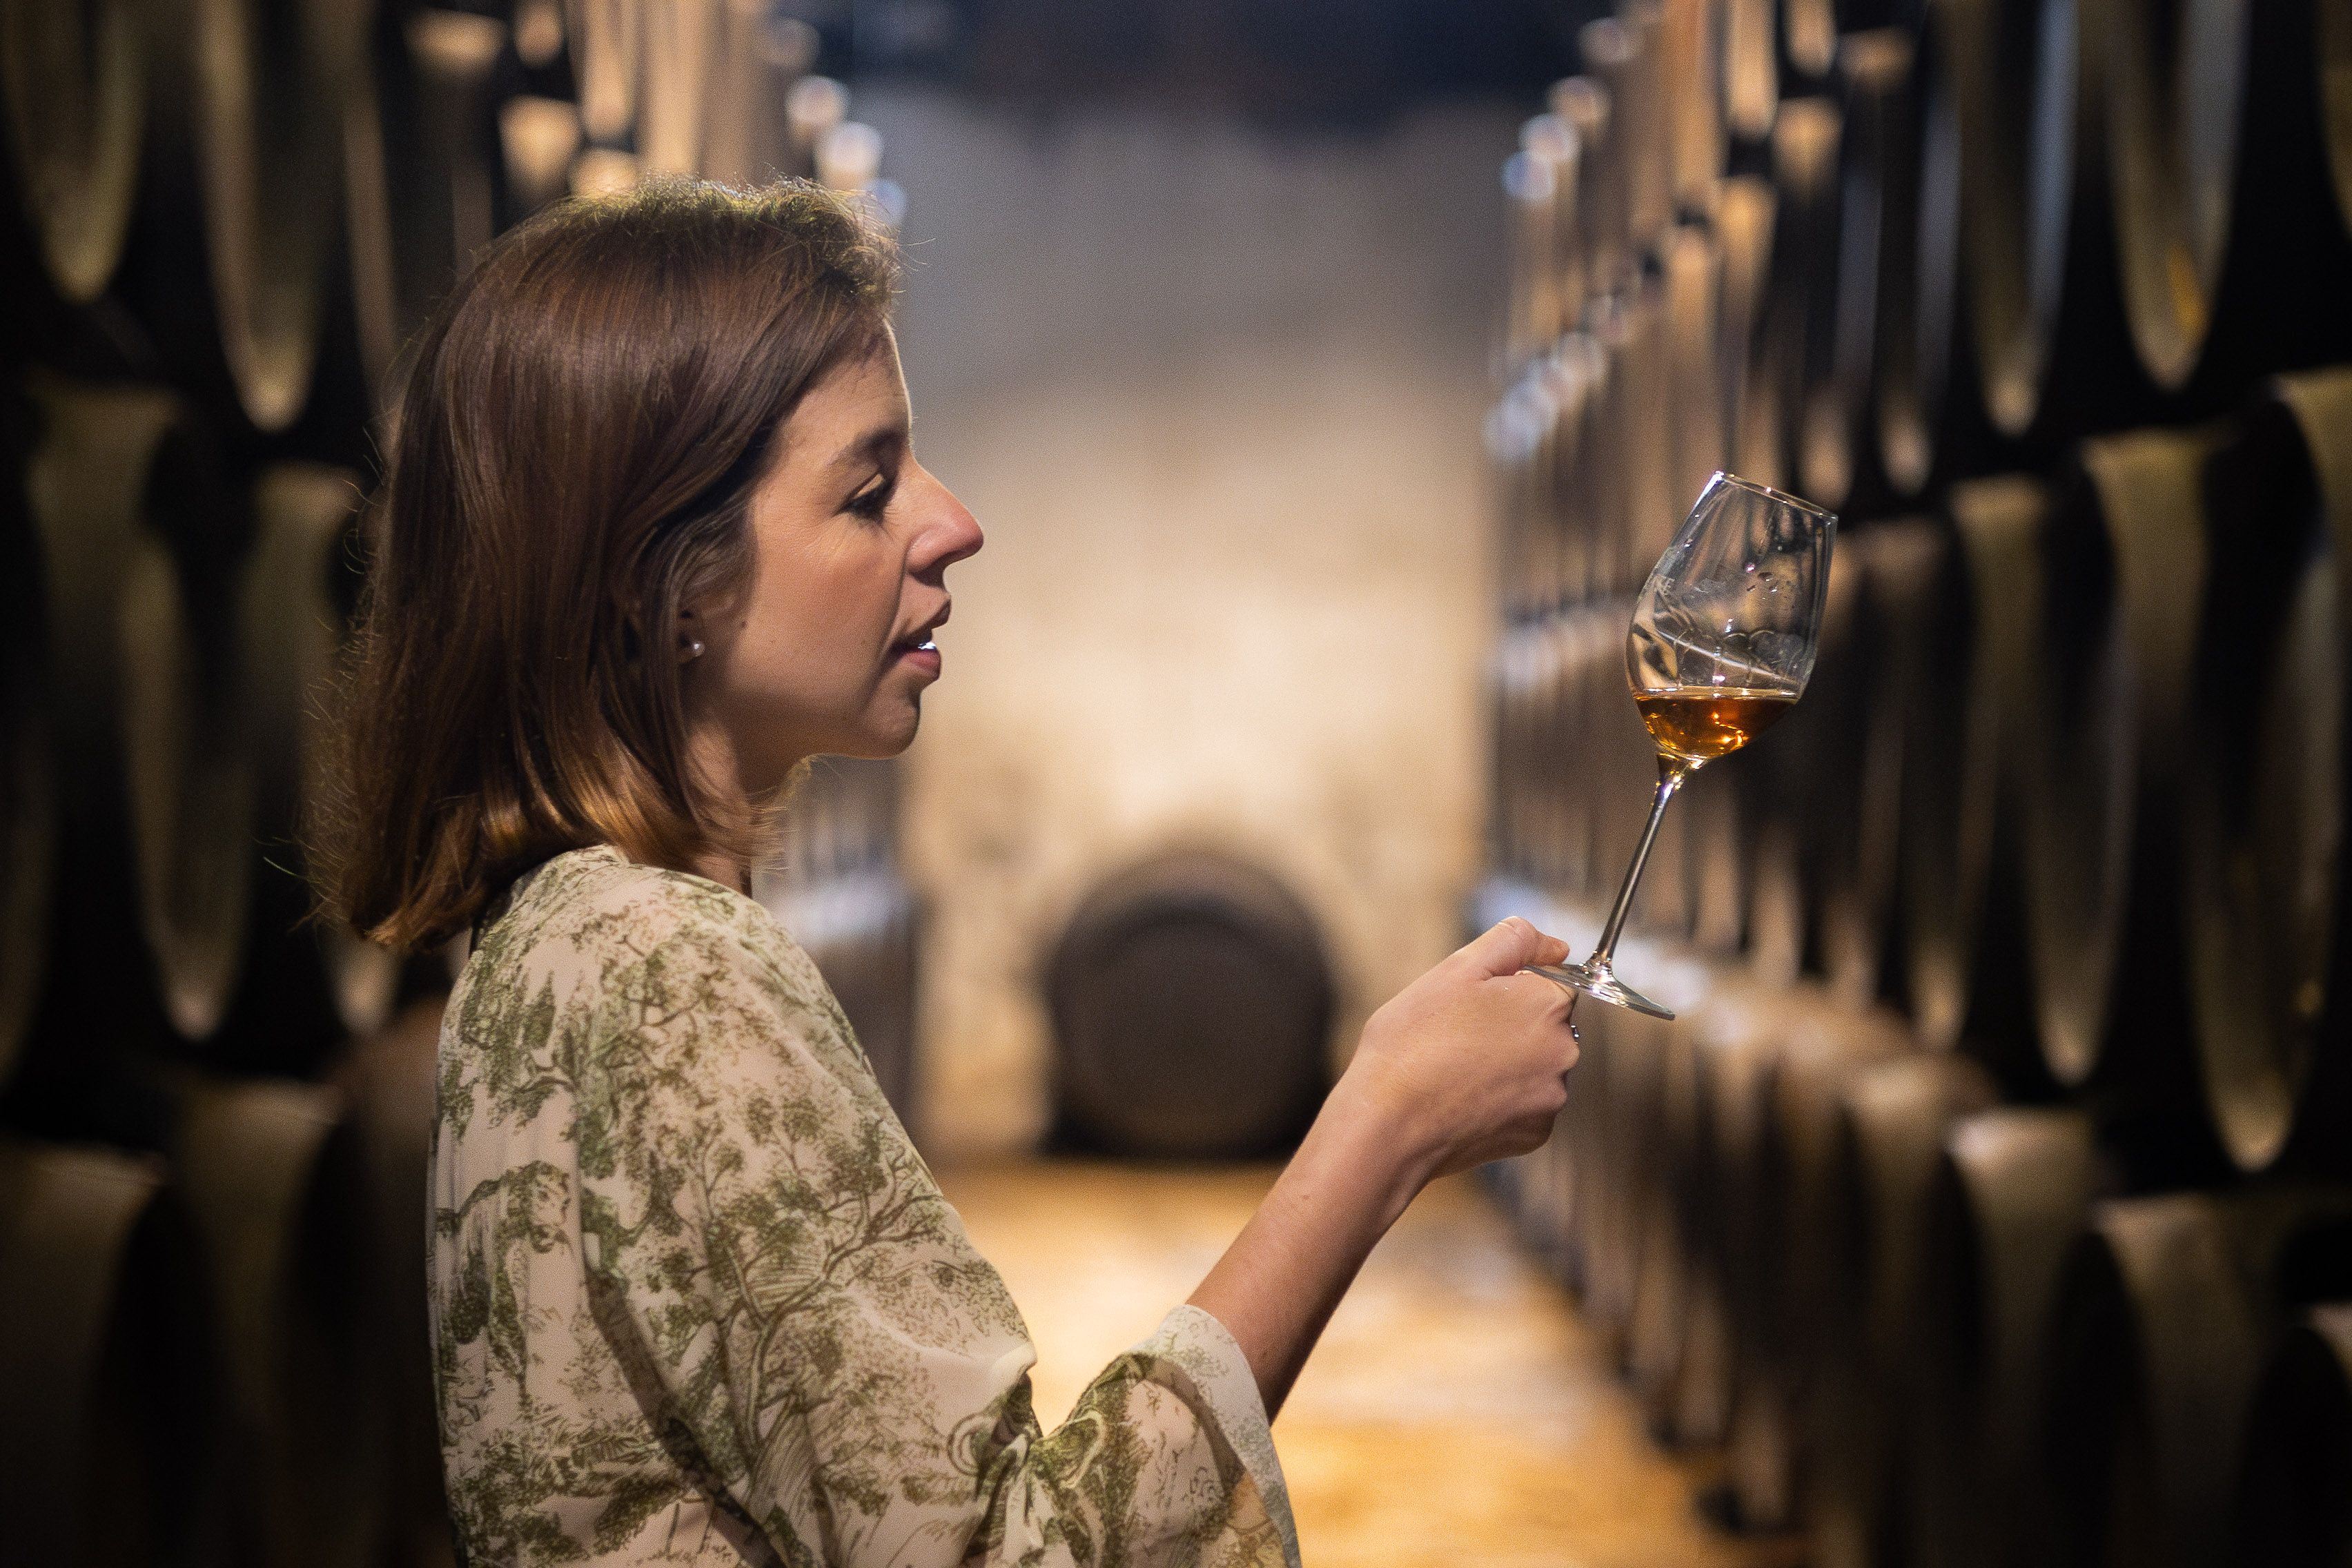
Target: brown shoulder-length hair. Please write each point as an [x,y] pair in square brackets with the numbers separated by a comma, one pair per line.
[576,441]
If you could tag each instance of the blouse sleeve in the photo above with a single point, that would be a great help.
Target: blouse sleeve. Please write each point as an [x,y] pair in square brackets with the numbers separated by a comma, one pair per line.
[818,1344]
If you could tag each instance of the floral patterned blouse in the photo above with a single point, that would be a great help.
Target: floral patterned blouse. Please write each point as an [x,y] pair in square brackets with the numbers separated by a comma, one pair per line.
[696,1298]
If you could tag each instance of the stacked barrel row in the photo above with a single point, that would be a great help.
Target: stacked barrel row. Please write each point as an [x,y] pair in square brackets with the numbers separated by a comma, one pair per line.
[1987,1201]
[221,223]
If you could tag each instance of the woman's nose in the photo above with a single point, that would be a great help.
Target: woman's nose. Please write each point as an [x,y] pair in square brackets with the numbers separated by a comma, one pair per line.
[950,531]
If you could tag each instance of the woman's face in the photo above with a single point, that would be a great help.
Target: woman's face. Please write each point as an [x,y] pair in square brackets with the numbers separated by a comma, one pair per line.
[828,647]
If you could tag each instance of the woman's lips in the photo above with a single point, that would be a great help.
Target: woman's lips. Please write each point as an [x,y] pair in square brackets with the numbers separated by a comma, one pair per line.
[923,656]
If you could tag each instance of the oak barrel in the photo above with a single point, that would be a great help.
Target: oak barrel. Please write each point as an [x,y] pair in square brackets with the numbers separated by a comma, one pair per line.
[860,927]
[73,86]
[153,777]
[607,40]
[2052,349]
[1837,448]
[1958,899]
[1191,1008]
[265,85]
[2168,1308]
[388,1078]
[1859,770]
[1929,419]
[308,983]
[29,806]
[1797,311]
[1894,1117]
[275,1173]
[2233,257]
[2333,56]
[111,1432]
[2101,758]
[1772,1113]
[2262,896]
[2293,1504]
[2009,1195]
[681,45]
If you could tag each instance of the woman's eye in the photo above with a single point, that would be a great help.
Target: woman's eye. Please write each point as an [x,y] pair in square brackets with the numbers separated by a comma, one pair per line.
[873,500]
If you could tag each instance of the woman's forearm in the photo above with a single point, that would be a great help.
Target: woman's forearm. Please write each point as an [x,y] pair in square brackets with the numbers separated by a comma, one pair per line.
[1463,1066]
[1276,1285]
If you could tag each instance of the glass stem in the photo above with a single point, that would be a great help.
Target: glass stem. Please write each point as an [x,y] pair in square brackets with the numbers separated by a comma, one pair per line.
[1672,771]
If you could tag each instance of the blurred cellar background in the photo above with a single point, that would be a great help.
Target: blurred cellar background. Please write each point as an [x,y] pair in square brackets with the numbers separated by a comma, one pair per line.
[1991,1204]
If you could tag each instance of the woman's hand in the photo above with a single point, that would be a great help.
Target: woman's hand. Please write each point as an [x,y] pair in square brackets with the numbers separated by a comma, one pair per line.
[1462,1066]
[1465,1065]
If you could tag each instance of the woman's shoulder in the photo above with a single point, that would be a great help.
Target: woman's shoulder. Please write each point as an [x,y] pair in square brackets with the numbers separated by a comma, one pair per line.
[593,916]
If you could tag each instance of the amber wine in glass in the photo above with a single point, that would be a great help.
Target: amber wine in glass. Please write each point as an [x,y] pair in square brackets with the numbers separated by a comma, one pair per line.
[1721,646]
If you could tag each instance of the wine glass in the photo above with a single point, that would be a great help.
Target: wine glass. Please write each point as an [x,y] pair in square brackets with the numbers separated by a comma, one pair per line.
[1721,647]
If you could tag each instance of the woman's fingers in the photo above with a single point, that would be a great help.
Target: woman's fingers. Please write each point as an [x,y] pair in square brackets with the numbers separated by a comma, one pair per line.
[1511,944]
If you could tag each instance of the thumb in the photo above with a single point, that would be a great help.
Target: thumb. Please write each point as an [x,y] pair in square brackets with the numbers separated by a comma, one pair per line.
[1510,946]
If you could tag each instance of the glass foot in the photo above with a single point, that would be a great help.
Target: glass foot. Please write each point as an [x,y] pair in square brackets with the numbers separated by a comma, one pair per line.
[1596,980]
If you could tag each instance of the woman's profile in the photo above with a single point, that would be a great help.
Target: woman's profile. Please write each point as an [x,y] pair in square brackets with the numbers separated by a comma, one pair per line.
[652,536]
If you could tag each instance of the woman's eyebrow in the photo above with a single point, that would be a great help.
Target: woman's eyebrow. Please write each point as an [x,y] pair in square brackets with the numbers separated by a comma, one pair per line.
[873,446]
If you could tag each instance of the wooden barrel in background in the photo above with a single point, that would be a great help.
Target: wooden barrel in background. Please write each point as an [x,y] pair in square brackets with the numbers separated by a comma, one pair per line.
[1560,851]
[1578,380]
[1628,1053]
[1610,57]
[2010,1193]
[2232,261]
[2167,1309]
[1837,441]
[1893,1119]
[73,81]
[2100,760]
[28,822]
[1790,347]
[539,138]
[1658,1340]
[761,54]
[2333,55]
[1769,1113]
[1795,783]
[1929,420]
[1858,805]
[2263,802]
[2052,349]
[308,983]
[139,942]
[606,39]
[1192,1008]
[2293,1502]
[113,1437]
[861,928]
[1744,219]
[188,752]
[262,82]
[388,1078]
[275,1175]
[1582,106]
[1690,80]
[1692,300]
[1636,331]
[423,170]
[1752,72]
[1963,957]
[1809,38]
[1647,116]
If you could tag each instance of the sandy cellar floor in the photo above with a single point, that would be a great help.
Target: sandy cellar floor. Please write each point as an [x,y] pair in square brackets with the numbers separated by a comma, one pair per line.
[1456,1413]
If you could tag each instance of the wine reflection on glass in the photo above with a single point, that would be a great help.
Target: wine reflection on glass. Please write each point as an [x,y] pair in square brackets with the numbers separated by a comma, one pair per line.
[1721,646]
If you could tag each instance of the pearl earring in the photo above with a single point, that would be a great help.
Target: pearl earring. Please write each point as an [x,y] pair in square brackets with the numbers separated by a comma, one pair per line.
[694,648]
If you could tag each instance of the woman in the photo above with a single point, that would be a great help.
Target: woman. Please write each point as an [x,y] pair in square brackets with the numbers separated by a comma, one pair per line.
[653,535]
